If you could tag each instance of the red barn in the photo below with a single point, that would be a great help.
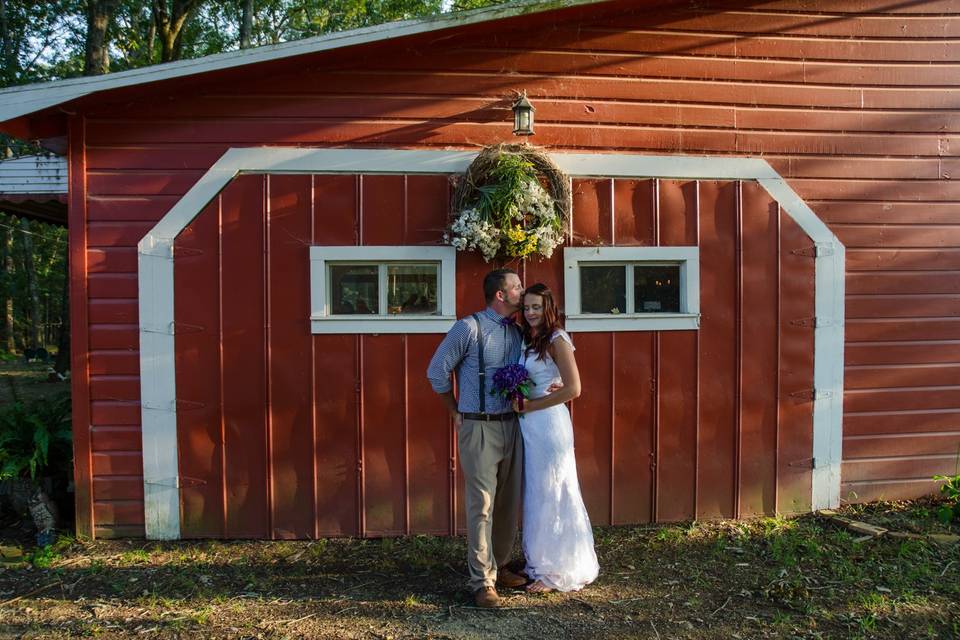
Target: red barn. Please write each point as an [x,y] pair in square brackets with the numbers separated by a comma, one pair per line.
[790,162]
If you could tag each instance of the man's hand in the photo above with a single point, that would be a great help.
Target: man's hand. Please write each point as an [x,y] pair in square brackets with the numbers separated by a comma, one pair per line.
[457,418]
[556,386]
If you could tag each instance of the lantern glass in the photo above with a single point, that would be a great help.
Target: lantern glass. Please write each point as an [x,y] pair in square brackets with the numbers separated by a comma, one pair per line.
[523,117]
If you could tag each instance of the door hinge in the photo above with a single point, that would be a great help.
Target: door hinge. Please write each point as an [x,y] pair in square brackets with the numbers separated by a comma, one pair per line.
[816,250]
[175,483]
[809,322]
[810,395]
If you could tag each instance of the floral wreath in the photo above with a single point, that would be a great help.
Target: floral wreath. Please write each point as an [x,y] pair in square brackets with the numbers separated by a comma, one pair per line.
[511,202]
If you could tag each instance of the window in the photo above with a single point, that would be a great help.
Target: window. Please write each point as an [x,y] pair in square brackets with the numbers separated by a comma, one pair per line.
[382,289]
[632,288]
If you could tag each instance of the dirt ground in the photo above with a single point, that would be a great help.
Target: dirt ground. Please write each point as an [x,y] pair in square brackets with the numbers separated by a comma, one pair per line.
[28,381]
[769,578]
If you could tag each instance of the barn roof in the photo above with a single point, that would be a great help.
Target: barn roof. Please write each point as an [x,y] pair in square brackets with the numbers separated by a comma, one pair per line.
[16,102]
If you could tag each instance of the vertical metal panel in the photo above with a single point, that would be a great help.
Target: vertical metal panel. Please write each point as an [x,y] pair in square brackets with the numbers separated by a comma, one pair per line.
[592,212]
[244,350]
[336,411]
[383,408]
[291,419]
[382,220]
[196,273]
[795,429]
[335,376]
[633,384]
[758,404]
[428,445]
[677,380]
[592,414]
[81,411]
[717,349]
[429,493]
[383,441]
[633,220]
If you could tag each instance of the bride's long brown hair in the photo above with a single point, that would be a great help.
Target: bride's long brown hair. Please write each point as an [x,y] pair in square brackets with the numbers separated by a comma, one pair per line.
[551,321]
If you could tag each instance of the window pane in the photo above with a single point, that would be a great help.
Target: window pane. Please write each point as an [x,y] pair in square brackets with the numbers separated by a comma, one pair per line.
[656,289]
[353,288]
[603,289]
[412,289]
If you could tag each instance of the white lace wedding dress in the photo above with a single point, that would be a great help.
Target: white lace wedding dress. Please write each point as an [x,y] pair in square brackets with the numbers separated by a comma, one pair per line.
[557,538]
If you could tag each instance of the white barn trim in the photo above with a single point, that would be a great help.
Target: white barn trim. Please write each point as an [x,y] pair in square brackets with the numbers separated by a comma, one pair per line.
[155,253]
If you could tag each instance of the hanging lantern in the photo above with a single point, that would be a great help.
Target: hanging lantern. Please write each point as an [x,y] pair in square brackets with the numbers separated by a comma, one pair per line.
[523,116]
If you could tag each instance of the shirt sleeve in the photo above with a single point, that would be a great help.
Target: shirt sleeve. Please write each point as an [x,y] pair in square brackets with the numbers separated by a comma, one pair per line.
[560,334]
[448,355]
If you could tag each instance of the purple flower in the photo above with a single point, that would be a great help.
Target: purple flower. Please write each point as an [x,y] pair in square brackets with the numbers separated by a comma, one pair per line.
[511,382]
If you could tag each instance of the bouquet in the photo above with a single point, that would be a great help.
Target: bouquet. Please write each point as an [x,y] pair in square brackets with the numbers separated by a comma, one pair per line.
[512,382]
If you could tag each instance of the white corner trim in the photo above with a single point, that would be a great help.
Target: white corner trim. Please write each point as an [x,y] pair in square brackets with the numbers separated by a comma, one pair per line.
[322,321]
[829,284]
[157,372]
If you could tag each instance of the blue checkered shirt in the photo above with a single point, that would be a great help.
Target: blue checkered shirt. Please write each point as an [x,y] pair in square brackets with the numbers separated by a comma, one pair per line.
[458,352]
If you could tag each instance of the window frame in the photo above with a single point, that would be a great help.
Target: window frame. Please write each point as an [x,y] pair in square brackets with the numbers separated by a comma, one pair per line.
[323,321]
[688,259]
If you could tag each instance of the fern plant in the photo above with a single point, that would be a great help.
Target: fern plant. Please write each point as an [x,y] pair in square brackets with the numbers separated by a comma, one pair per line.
[32,435]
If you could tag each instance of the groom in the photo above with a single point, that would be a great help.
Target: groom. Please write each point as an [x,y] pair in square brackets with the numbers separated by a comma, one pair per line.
[488,433]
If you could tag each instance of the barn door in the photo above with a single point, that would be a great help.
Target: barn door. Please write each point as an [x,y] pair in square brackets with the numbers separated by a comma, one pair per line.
[286,434]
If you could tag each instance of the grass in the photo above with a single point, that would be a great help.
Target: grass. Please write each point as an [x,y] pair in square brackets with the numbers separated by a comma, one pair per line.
[770,577]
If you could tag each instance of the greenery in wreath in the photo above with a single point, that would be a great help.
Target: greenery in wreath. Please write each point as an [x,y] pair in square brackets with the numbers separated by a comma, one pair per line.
[512,202]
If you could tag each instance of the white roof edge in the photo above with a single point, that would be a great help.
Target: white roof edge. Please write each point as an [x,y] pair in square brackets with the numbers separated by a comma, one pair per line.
[26,99]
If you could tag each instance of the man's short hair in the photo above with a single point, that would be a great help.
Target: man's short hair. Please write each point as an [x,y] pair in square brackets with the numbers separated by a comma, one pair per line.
[495,281]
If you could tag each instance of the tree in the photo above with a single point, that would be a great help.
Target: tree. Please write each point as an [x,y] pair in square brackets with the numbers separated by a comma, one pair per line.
[97,49]
[170,17]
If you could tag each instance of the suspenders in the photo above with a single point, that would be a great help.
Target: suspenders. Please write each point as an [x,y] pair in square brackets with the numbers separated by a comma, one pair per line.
[483,369]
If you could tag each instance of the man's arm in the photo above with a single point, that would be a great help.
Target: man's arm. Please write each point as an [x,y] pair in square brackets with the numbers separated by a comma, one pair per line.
[445,359]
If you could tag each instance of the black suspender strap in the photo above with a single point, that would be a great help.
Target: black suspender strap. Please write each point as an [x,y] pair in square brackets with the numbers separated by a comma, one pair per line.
[483,371]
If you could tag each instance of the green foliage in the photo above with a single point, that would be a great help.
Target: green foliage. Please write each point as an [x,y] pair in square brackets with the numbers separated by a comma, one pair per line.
[34,435]
[950,488]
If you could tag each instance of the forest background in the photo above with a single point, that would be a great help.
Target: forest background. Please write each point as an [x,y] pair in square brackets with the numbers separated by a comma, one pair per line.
[42,41]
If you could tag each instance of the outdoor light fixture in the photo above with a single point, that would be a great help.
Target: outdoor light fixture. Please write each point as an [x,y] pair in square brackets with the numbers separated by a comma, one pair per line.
[522,116]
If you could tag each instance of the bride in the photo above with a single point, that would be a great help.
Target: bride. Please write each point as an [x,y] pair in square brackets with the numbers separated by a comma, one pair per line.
[557,538]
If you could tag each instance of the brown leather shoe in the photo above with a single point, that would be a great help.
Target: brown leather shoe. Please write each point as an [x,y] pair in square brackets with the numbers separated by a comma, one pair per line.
[509,579]
[487,598]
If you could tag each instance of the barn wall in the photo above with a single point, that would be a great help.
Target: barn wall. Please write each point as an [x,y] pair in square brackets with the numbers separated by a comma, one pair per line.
[854,103]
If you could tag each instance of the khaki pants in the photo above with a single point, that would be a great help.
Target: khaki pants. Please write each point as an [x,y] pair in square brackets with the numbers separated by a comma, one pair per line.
[491,456]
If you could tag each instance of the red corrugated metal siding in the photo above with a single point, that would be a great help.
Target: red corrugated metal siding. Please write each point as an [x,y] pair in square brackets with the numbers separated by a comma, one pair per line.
[853,102]
[380,442]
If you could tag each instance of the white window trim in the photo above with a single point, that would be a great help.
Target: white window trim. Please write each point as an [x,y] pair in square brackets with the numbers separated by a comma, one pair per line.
[322,321]
[687,257]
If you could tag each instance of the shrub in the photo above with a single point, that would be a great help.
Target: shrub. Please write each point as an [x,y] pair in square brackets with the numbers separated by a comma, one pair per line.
[951,490]
[35,435]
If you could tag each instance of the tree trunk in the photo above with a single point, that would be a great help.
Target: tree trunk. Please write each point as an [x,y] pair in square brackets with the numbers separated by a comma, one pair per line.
[6,329]
[8,267]
[170,21]
[246,24]
[33,295]
[62,365]
[99,15]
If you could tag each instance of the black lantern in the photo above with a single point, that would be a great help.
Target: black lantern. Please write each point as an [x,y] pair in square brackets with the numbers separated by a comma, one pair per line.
[523,116]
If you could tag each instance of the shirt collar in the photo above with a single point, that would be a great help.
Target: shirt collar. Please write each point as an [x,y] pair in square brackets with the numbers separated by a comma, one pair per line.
[496,317]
